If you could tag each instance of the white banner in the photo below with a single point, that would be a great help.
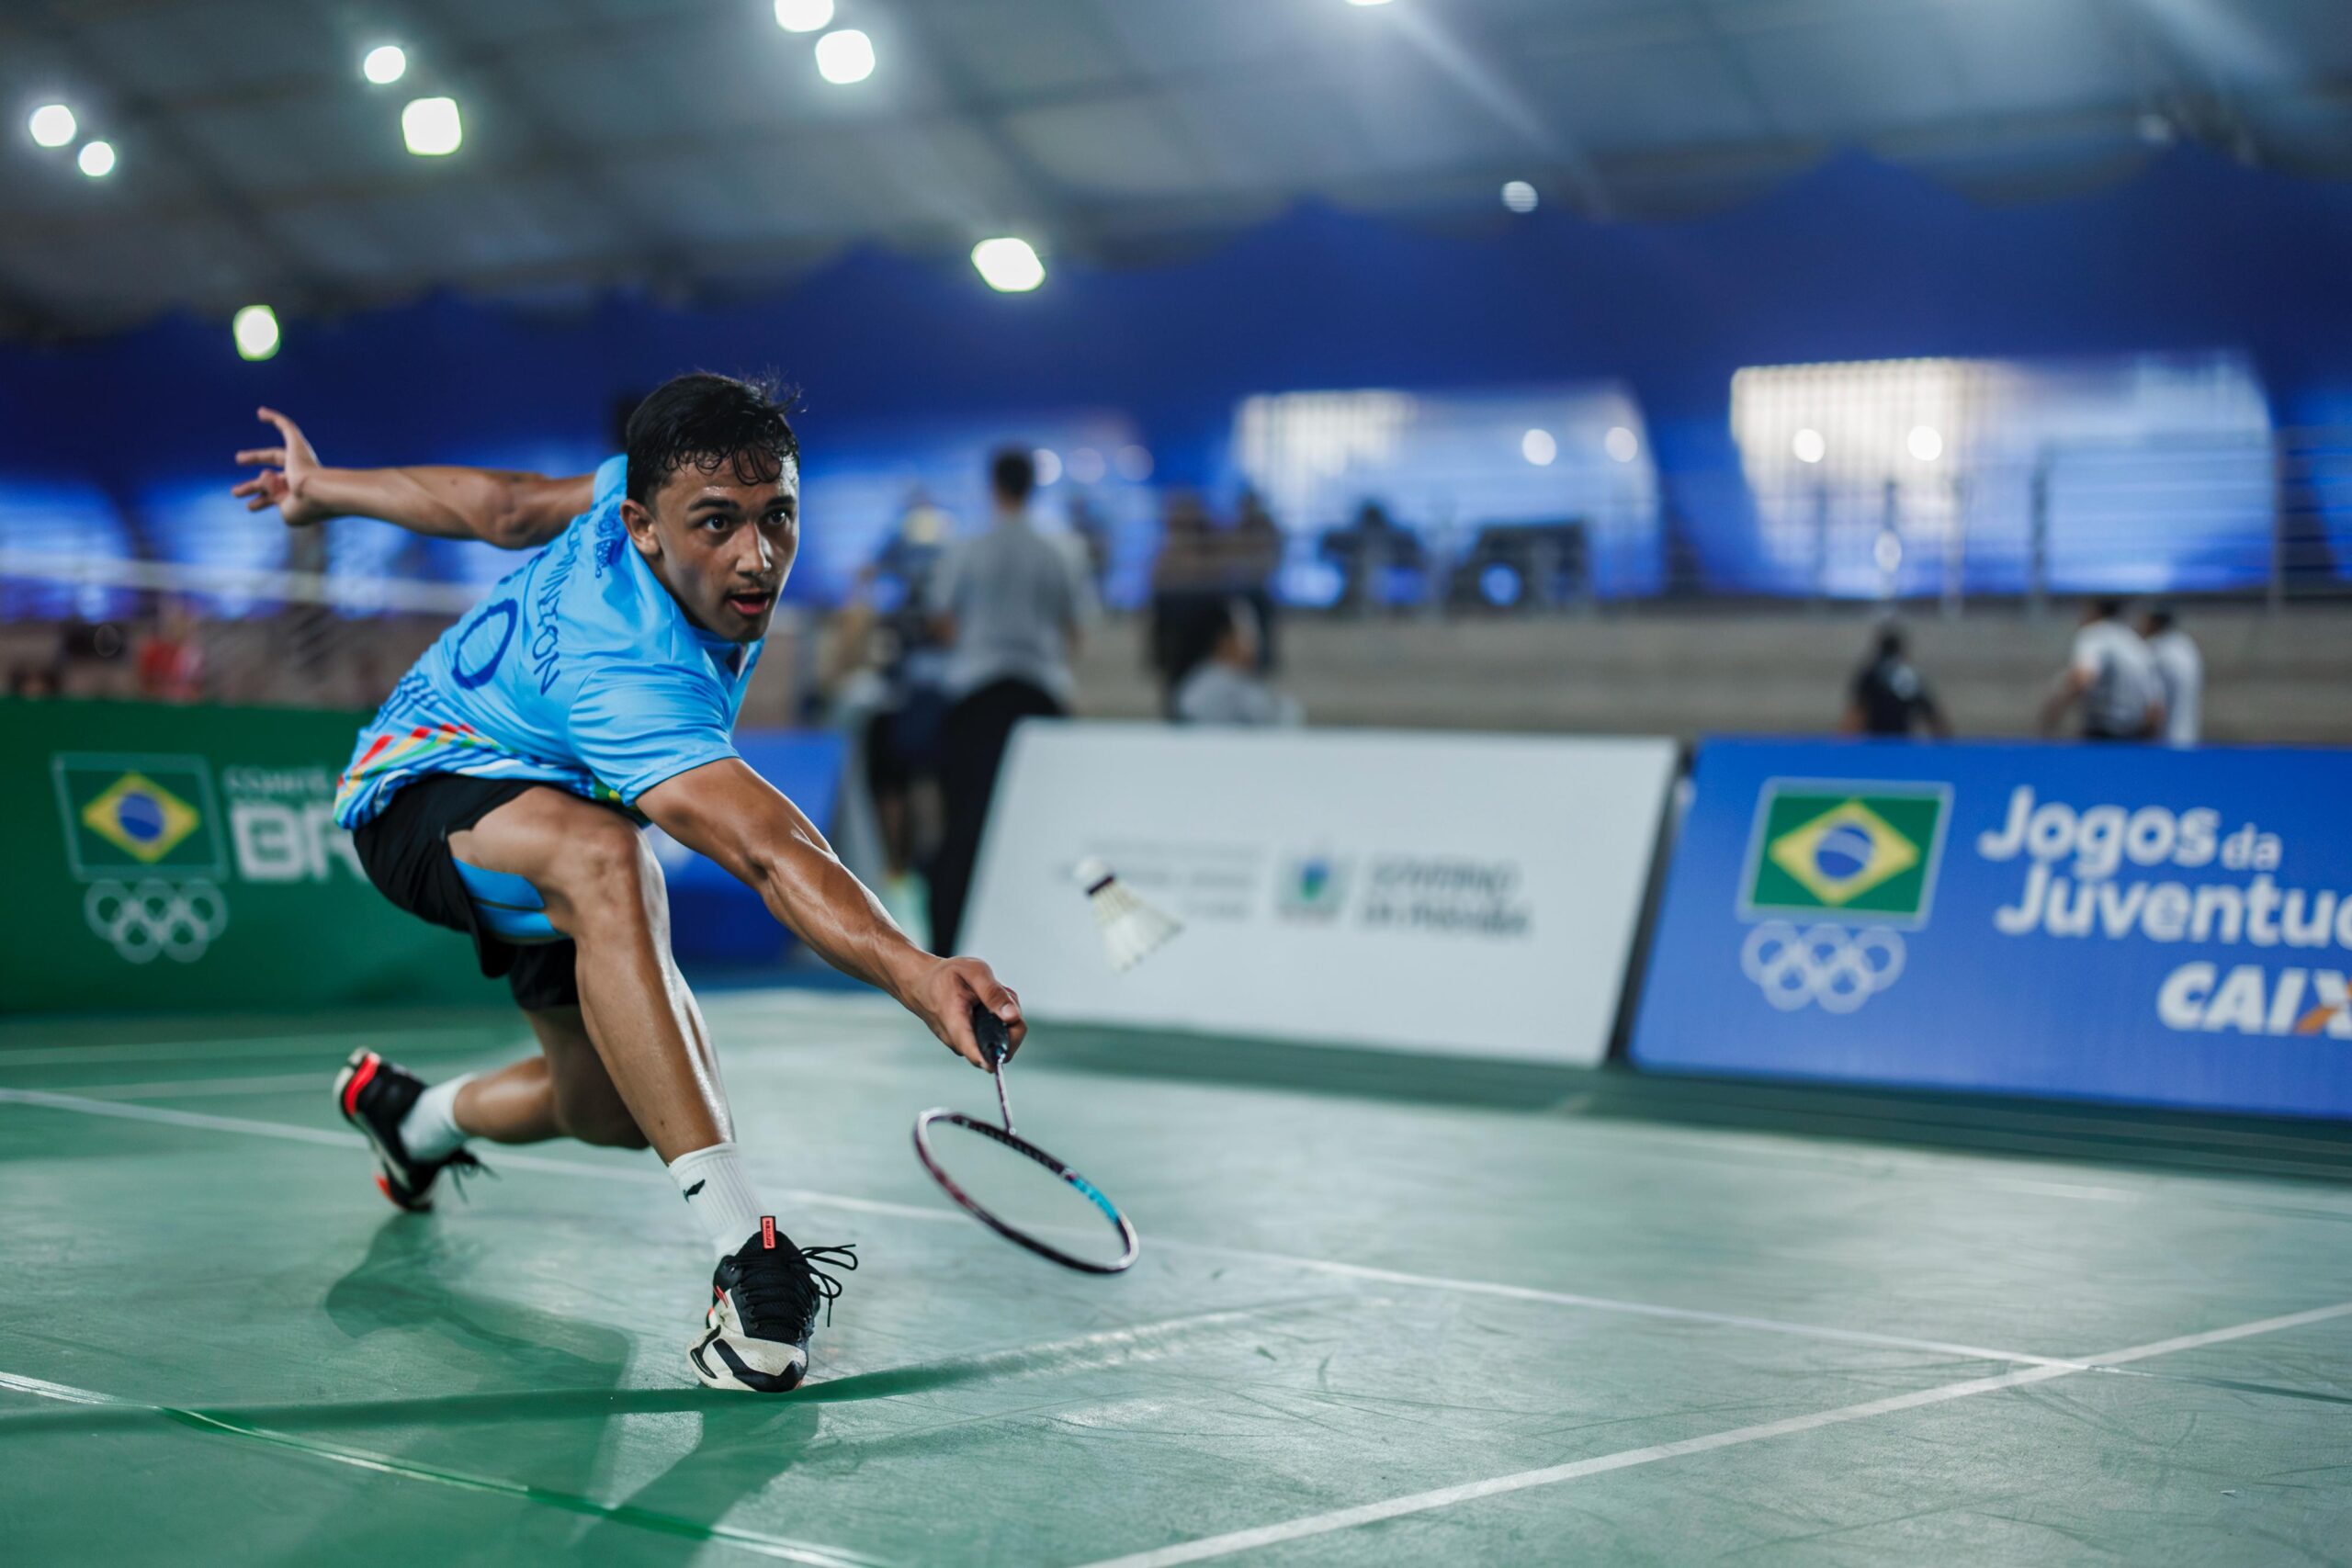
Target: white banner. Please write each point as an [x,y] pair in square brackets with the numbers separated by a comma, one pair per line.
[1460,893]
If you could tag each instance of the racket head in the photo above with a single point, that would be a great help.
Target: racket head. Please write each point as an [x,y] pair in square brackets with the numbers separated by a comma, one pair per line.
[926,1152]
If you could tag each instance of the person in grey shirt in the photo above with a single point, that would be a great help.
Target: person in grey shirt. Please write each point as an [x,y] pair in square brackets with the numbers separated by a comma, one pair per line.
[1225,687]
[2112,675]
[2181,669]
[1010,605]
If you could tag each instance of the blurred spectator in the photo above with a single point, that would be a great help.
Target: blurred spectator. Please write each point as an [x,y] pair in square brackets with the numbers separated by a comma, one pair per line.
[1891,697]
[1186,587]
[1368,553]
[2180,669]
[36,681]
[1226,687]
[1009,604]
[171,663]
[2113,676]
[884,673]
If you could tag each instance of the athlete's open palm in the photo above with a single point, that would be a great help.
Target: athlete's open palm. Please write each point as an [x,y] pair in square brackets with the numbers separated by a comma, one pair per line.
[285,470]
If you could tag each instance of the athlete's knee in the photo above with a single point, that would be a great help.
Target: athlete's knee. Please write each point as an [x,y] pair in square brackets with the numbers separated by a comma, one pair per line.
[610,875]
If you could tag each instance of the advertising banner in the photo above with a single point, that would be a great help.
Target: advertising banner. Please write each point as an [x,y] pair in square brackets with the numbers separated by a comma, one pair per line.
[1468,893]
[161,858]
[2128,923]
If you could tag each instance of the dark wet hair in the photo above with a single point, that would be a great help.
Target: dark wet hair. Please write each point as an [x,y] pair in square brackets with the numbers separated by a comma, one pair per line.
[710,422]
[1013,473]
[2107,607]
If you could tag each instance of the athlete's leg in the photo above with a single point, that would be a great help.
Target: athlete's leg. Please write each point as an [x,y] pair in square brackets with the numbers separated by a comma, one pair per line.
[604,889]
[564,1092]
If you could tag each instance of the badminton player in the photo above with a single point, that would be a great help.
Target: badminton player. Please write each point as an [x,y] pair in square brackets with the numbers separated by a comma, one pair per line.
[500,789]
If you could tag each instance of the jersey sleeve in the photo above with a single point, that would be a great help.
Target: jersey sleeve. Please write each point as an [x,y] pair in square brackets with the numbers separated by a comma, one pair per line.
[612,481]
[634,726]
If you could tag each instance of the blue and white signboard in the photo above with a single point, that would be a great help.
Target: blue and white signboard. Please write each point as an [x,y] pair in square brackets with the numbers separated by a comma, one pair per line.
[2127,923]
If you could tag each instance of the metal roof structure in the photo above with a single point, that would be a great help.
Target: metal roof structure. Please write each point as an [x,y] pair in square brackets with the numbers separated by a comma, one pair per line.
[690,146]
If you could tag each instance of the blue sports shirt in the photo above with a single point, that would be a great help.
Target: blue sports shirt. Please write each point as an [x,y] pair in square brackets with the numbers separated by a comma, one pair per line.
[577,670]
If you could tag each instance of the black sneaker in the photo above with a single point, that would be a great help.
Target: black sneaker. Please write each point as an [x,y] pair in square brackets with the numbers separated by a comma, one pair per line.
[762,1310]
[375,1097]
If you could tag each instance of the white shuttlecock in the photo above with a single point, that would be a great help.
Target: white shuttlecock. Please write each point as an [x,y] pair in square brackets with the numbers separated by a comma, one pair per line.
[1131,927]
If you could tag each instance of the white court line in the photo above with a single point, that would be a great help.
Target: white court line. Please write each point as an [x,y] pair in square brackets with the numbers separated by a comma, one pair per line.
[638,1173]
[1226,1545]
[779,1548]
[278,1083]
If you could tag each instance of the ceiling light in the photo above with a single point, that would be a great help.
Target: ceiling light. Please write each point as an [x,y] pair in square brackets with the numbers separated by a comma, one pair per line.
[1519,196]
[385,64]
[1925,444]
[1809,446]
[1367,2]
[53,125]
[255,330]
[1049,466]
[803,15]
[1086,465]
[1621,444]
[1008,265]
[846,57]
[1538,447]
[97,159]
[1134,464]
[430,127]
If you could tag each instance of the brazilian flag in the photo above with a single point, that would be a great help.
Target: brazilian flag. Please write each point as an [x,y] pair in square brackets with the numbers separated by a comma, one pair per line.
[1862,851]
[138,816]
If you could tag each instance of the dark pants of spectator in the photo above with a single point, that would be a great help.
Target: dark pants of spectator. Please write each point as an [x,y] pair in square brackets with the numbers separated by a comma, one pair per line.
[971,745]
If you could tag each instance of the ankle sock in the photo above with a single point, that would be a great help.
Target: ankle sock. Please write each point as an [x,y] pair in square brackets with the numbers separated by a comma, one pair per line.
[715,1187]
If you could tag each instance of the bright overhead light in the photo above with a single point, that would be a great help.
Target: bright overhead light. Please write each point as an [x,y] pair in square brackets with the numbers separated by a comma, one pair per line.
[97,159]
[1621,444]
[430,127]
[385,64]
[1519,196]
[1049,466]
[255,330]
[803,15]
[1134,464]
[844,57]
[1925,444]
[53,125]
[1087,466]
[1539,447]
[1008,265]
[1809,446]
[1367,2]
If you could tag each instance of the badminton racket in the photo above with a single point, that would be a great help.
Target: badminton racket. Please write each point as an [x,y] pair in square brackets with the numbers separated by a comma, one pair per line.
[1010,1185]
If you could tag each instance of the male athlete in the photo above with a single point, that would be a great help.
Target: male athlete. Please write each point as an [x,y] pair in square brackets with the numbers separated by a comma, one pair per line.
[498,791]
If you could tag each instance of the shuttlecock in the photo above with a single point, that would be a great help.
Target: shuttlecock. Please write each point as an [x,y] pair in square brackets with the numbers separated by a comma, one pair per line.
[1131,927]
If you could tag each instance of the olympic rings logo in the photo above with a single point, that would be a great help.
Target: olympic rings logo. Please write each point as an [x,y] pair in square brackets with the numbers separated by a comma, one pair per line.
[156,916]
[1838,968]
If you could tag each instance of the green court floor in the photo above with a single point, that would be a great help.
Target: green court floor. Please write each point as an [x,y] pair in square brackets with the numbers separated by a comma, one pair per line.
[1365,1329]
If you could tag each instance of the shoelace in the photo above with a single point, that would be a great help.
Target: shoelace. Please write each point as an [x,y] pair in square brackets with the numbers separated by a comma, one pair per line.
[462,1165]
[802,1287]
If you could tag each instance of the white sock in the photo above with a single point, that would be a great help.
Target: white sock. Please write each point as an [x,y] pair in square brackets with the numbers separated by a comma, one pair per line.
[714,1186]
[430,1130]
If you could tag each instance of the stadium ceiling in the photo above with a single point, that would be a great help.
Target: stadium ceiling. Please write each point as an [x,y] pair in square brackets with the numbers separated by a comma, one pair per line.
[690,147]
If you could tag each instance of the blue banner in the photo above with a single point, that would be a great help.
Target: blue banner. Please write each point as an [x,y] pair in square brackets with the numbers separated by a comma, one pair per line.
[2126,923]
[714,919]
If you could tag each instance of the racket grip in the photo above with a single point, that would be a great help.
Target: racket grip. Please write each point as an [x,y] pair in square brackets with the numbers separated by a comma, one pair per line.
[996,1041]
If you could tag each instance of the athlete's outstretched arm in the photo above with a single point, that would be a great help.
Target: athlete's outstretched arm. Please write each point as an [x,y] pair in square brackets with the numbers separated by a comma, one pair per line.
[738,819]
[513,510]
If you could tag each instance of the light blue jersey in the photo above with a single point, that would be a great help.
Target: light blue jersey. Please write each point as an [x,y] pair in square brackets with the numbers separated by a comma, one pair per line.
[578,670]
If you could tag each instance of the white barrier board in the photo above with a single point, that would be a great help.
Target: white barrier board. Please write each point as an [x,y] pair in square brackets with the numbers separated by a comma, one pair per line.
[1460,893]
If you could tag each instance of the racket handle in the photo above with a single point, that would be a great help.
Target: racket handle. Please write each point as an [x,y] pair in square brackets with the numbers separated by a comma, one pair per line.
[996,1041]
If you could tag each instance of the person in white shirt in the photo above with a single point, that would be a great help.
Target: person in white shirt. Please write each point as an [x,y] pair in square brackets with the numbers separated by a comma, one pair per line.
[2113,676]
[2181,667]
[1225,687]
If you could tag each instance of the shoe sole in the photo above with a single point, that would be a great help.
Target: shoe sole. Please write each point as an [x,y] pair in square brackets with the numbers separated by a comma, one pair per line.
[361,1065]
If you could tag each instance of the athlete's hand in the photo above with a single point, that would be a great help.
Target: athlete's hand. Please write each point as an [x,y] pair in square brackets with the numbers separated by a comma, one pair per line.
[285,479]
[942,996]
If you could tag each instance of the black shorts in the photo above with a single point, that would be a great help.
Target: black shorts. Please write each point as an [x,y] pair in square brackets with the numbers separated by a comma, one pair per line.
[405,848]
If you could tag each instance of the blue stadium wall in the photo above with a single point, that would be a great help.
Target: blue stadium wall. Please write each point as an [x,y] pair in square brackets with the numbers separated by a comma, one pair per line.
[1856,260]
